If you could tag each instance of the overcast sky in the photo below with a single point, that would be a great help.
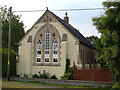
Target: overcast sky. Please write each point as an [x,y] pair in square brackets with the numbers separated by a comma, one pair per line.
[81,20]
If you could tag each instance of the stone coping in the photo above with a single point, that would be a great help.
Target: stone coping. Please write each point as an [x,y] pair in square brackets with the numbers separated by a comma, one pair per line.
[66,82]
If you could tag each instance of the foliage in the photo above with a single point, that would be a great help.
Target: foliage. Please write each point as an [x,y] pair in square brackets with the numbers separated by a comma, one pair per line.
[25,75]
[116,85]
[109,27]
[5,60]
[53,77]
[93,39]
[17,30]
[35,76]
[99,47]
[68,75]
[67,65]
[44,75]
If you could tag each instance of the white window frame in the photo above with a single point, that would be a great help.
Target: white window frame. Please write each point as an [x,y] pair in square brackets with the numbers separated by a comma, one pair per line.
[39,48]
[55,56]
[47,44]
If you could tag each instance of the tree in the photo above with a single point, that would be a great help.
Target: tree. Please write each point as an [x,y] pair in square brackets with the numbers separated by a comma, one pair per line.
[93,39]
[109,27]
[17,31]
[4,62]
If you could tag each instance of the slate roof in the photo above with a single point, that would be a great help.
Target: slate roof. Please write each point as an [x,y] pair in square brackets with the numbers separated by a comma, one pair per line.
[75,32]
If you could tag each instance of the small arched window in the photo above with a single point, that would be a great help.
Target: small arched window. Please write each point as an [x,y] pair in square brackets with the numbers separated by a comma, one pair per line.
[47,45]
[38,51]
[55,51]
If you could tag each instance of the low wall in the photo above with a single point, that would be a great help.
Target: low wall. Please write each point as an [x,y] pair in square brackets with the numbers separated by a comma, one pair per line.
[65,82]
[93,75]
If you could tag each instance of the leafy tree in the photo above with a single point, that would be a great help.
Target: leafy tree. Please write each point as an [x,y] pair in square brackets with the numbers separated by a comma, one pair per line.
[109,27]
[5,60]
[92,39]
[17,31]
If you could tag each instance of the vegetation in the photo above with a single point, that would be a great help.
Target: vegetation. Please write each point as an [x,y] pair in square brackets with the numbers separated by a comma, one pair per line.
[68,75]
[53,77]
[35,76]
[18,84]
[108,25]
[17,31]
[44,75]
[12,63]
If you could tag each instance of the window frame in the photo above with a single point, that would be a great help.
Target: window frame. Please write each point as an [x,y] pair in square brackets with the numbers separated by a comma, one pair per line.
[47,45]
[55,56]
[39,48]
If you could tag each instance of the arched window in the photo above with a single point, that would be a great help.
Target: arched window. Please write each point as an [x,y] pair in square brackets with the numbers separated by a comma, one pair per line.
[55,51]
[38,51]
[47,46]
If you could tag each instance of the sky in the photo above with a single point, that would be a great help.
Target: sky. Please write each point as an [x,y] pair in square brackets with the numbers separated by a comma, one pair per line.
[81,20]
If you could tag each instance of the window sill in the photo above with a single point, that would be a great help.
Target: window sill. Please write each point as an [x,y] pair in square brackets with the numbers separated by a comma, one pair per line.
[46,64]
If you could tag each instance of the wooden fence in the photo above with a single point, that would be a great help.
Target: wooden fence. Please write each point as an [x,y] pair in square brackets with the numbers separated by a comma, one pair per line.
[93,75]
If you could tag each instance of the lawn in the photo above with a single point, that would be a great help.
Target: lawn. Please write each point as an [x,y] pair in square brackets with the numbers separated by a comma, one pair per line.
[18,84]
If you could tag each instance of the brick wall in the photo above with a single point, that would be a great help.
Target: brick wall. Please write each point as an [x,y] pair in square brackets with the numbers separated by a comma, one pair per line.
[93,75]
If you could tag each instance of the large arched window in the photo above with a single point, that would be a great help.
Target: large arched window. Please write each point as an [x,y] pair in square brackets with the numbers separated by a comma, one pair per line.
[55,51]
[38,51]
[47,46]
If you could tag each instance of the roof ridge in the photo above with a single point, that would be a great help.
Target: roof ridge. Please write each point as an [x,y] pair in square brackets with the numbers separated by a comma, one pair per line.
[74,31]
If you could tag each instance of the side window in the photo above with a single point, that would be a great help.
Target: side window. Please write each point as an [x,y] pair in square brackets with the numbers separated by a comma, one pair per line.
[55,51]
[38,51]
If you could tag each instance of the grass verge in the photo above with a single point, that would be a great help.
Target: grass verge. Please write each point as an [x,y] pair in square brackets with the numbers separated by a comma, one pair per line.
[18,84]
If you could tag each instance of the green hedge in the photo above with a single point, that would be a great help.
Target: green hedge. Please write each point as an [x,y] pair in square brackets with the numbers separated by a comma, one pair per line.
[12,62]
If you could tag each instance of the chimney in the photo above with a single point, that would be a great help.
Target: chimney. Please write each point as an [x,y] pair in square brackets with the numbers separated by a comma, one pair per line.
[66,18]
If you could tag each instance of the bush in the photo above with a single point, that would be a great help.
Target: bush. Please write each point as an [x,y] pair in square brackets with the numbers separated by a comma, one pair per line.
[44,75]
[35,76]
[5,61]
[116,85]
[25,76]
[68,75]
[53,77]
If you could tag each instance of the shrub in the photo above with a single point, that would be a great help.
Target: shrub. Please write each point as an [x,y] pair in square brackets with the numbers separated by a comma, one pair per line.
[68,75]
[45,75]
[25,76]
[53,77]
[5,61]
[35,76]
[116,85]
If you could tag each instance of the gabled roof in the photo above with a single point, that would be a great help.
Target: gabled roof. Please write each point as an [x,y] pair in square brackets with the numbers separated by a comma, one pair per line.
[74,31]
[71,29]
